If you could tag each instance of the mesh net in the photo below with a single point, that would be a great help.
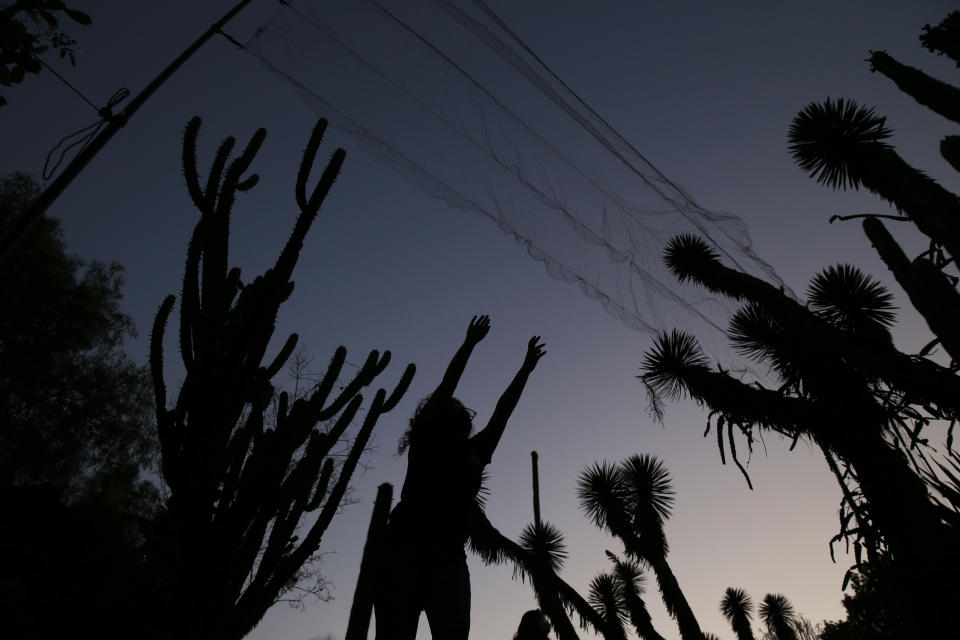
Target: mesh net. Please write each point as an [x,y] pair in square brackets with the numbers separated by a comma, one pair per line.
[449,97]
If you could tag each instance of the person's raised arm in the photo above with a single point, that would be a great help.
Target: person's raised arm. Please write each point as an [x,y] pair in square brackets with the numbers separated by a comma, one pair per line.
[478,328]
[486,441]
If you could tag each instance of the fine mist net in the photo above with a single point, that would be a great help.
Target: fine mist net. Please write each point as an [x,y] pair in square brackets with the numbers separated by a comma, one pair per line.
[449,97]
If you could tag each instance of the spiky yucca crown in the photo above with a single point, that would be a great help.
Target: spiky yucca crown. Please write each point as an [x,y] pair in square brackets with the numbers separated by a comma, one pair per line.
[849,298]
[545,541]
[735,603]
[671,355]
[687,255]
[826,139]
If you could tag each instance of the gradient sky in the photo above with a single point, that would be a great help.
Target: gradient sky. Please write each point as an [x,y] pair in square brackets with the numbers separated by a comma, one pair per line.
[704,90]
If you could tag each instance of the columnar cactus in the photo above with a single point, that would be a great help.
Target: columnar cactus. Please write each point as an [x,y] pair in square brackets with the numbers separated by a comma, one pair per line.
[227,544]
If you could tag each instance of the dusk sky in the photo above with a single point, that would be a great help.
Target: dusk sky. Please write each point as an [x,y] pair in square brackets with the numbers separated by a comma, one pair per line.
[704,90]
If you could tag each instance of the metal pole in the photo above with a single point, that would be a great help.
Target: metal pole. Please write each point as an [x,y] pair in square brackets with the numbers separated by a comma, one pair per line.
[536,489]
[81,160]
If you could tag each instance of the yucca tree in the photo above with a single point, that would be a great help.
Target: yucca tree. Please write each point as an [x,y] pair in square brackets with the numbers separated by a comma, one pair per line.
[848,426]
[934,94]
[632,501]
[737,607]
[539,554]
[930,290]
[937,95]
[631,580]
[943,39]
[779,617]
[843,386]
[840,382]
[547,553]
[606,596]
[827,346]
[842,144]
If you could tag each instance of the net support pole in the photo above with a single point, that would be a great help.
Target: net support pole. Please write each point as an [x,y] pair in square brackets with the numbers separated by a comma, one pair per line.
[72,170]
[536,487]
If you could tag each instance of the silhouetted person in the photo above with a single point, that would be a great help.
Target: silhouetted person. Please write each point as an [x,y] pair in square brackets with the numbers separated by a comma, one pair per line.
[423,566]
[533,626]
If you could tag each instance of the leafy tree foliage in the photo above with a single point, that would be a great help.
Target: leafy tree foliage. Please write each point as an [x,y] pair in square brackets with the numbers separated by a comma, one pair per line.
[874,610]
[29,29]
[76,436]
[75,411]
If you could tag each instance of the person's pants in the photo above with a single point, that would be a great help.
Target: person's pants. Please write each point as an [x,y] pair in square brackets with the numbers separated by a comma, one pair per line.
[409,583]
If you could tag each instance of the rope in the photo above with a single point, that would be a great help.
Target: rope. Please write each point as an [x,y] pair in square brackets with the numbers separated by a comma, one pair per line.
[84,136]
[66,82]
[231,39]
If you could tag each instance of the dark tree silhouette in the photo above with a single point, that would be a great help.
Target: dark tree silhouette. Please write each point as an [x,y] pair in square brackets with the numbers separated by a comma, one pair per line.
[838,389]
[30,28]
[631,579]
[547,553]
[540,554]
[942,39]
[606,596]
[842,383]
[874,608]
[492,547]
[76,437]
[75,411]
[778,615]
[737,608]
[614,597]
[632,500]
[358,624]
[227,543]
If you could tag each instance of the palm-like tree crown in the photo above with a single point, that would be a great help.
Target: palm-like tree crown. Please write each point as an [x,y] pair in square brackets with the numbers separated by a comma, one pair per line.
[777,613]
[629,573]
[545,542]
[650,498]
[631,500]
[606,596]
[666,363]
[851,300]
[688,257]
[602,497]
[825,138]
[756,334]
[737,607]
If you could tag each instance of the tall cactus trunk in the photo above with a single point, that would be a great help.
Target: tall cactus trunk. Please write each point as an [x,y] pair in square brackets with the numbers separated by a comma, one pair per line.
[359,622]
[227,545]
[934,94]
[929,290]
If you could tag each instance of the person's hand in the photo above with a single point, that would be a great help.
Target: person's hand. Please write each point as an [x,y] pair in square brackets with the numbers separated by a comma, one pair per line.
[479,326]
[535,351]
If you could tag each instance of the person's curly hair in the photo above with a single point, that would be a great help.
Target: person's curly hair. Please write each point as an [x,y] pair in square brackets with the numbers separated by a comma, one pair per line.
[530,626]
[449,411]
